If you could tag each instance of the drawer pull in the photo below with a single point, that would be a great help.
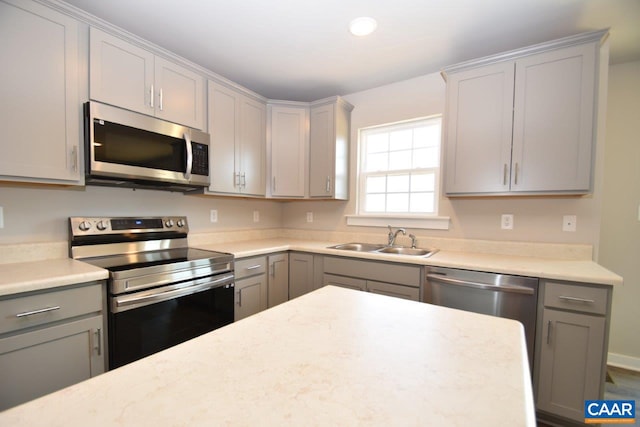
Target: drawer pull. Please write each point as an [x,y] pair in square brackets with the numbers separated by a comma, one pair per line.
[576,299]
[253,267]
[42,310]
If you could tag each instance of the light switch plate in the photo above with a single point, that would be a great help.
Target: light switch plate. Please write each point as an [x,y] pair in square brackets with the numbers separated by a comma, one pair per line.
[569,223]
[309,216]
[213,215]
[1,217]
[256,216]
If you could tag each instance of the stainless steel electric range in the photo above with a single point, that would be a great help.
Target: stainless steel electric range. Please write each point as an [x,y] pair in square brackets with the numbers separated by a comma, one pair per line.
[161,292]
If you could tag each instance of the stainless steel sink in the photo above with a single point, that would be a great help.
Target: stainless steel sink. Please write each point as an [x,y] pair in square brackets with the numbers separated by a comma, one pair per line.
[358,247]
[382,249]
[406,251]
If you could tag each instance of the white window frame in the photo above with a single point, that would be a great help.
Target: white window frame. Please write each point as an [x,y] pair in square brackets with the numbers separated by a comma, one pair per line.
[413,220]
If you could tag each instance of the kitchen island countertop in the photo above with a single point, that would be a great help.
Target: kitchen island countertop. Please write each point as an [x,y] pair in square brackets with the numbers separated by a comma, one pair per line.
[331,357]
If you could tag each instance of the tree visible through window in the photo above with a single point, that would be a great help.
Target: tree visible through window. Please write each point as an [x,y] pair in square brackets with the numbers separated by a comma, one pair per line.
[400,168]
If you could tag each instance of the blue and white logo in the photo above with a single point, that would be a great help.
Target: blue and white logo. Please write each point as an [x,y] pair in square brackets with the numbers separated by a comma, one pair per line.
[610,411]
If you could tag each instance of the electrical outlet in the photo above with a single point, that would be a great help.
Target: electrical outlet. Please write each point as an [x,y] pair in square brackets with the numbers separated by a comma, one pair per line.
[1,217]
[213,215]
[256,216]
[309,216]
[569,223]
[507,222]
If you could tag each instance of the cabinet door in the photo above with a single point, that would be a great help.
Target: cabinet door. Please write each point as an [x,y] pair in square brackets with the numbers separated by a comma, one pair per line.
[571,362]
[301,274]
[278,291]
[180,94]
[39,108]
[321,151]
[479,123]
[252,147]
[120,73]
[288,151]
[553,120]
[45,360]
[251,296]
[393,290]
[223,127]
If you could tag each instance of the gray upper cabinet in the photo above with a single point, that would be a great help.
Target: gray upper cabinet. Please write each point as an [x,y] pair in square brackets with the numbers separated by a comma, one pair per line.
[40,110]
[128,76]
[237,124]
[289,139]
[524,122]
[329,148]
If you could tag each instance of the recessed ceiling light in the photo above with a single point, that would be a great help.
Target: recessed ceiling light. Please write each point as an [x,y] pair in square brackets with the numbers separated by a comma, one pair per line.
[362,26]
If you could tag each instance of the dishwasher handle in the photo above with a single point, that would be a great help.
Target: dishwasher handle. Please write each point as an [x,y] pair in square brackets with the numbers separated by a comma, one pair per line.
[486,286]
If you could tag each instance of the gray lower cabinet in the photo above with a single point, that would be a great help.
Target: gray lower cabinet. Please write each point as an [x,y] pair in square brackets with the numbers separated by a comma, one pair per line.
[572,347]
[50,340]
[392,279]
[301,274]
[278,282]
[250,287]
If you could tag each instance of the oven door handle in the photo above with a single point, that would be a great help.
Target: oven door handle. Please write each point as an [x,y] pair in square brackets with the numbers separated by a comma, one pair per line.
[477,285]
[127,302]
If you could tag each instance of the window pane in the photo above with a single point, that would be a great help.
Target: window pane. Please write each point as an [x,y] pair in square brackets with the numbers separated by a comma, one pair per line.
[397,183]
[422,203]
[377,162]
[375,203]
[426,158]
[401,139]
[377,142]
[376,184]
[427,136]
[398,202]
[400,160]
[423,182]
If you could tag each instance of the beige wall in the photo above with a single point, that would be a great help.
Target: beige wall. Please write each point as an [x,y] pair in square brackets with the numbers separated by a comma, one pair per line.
[620,233]
[535,219]
[41,214]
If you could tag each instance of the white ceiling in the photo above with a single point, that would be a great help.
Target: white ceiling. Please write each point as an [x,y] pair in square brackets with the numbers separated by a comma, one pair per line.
[301,49]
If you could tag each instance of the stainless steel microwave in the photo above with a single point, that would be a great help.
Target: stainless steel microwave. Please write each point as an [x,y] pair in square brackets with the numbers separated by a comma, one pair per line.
[129,149]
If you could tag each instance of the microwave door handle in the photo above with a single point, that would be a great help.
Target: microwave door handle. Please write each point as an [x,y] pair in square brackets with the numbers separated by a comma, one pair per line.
[187,140]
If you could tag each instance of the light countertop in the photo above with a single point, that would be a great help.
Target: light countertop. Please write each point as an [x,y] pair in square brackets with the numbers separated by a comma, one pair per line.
[37,275]
[570,270]
[331,357]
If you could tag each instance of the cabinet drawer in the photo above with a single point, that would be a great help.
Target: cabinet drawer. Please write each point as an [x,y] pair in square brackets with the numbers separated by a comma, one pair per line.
[250,267]
[393,290]
[588,299]
[374,270]
[29,310]
[344,282]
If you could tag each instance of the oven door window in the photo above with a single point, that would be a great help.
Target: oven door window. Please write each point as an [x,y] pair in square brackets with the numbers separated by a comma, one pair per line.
[142,331]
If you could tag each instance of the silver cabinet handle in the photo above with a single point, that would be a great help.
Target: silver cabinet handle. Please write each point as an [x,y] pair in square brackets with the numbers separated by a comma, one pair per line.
[236,179]
[504,175]
[187,140]
[152,95]
[74,158]
[239,297]
[328,188]
[515,181]
[160,99]
[274,184]
[576,299]
[549,332]
[498,288]
[243,181]
[253,267]
[42,310]
[97,345]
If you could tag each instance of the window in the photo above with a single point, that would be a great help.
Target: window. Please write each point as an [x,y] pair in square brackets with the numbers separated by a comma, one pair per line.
[399,169]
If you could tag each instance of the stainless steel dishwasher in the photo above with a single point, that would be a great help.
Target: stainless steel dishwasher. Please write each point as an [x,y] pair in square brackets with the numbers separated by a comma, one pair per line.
[512,297]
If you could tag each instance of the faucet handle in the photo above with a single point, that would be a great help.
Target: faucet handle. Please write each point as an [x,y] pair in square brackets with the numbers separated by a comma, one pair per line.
[414,241]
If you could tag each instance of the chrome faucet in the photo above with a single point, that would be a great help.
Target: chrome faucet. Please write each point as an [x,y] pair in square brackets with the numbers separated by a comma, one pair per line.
[393,235]
[414,241]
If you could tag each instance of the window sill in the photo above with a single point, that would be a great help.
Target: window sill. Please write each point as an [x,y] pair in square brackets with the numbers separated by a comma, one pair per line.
[424,222]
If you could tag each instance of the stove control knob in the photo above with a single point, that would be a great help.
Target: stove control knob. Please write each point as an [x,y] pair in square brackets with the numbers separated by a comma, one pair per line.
[102,225]
[181,223]
[169,223]
[84,226]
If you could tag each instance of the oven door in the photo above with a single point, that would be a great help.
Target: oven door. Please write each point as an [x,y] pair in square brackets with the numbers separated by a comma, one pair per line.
[143,323]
